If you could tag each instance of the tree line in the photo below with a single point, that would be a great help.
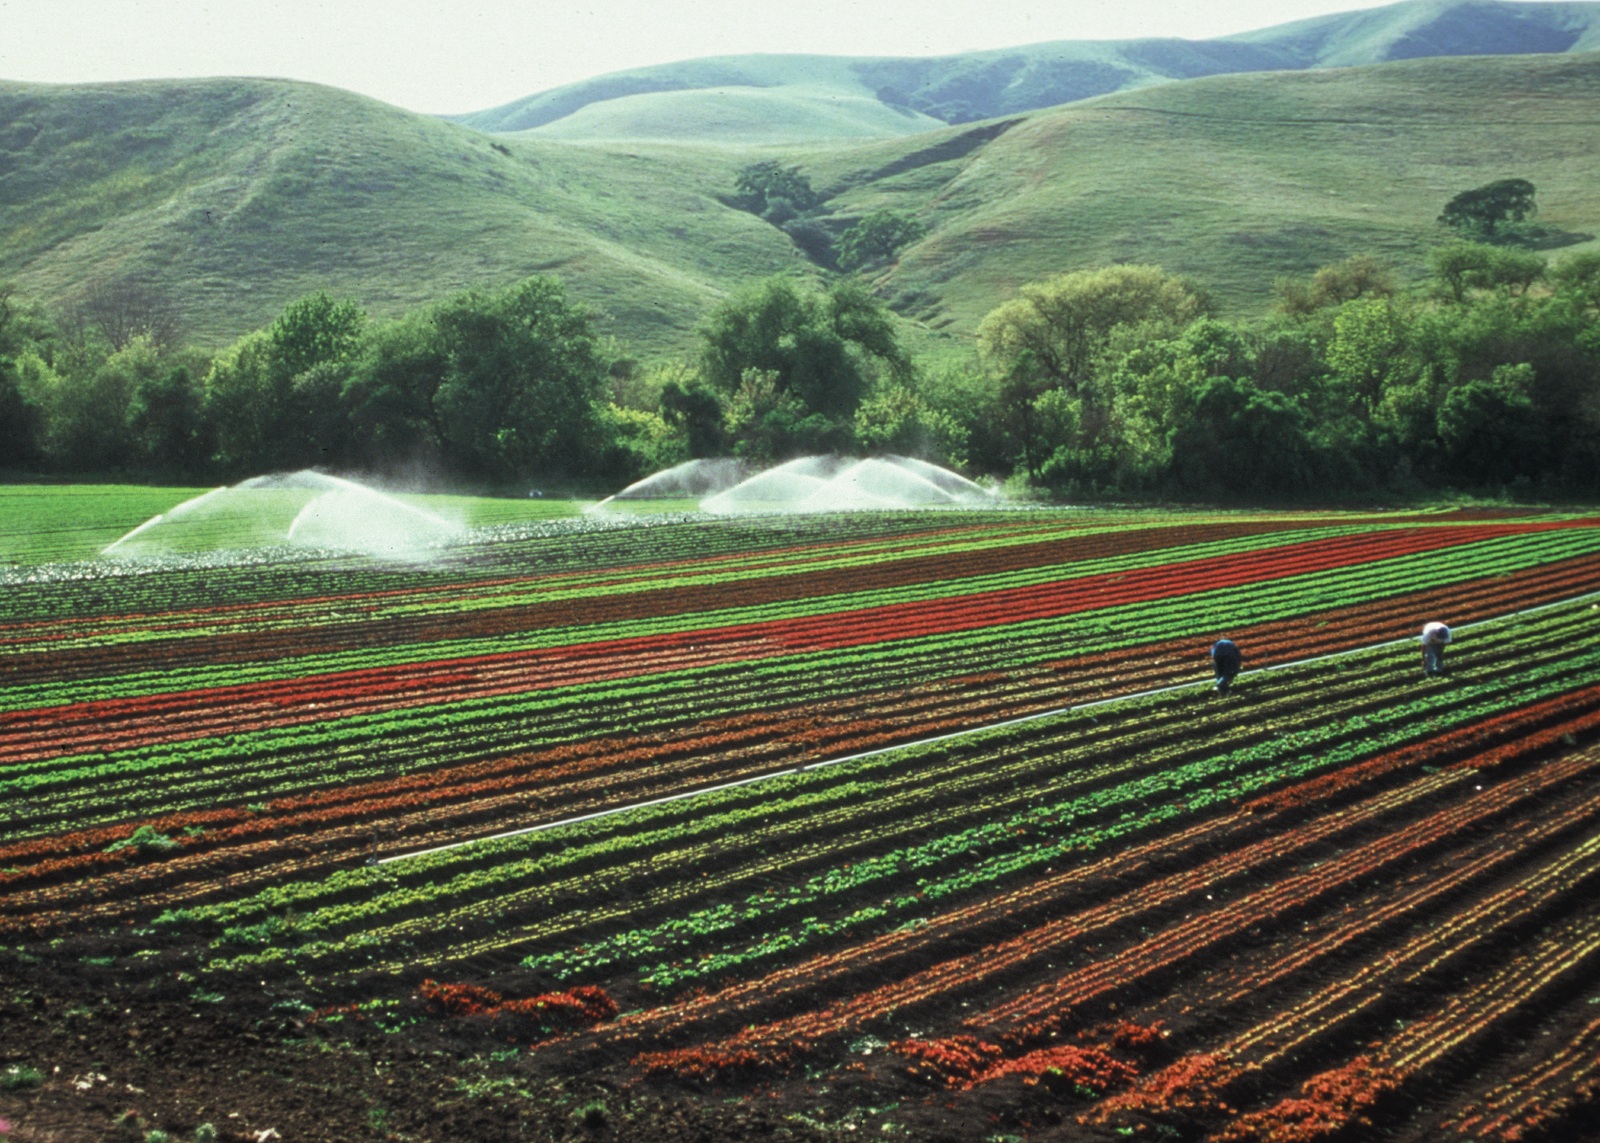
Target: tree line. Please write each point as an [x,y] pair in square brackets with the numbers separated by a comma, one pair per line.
[1119,381]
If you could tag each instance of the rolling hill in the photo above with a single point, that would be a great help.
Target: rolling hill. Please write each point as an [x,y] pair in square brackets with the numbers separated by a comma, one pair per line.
[1236,180]
[694,95]
[232,197]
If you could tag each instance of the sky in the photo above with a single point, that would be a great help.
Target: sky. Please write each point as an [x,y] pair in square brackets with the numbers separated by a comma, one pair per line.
[466,55]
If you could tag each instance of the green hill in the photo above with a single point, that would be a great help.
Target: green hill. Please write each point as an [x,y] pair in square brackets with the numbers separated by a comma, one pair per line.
[234,197]
[983,85]
[739,115]
[1235,180]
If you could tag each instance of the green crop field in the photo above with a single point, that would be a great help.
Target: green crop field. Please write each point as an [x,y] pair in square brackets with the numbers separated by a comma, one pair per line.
[910,824]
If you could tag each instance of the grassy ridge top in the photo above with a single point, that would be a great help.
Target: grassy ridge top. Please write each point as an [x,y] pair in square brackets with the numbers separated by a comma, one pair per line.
[739,115]
[234,197]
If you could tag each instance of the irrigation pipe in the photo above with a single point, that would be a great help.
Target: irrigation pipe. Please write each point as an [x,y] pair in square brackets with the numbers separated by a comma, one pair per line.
[963,733]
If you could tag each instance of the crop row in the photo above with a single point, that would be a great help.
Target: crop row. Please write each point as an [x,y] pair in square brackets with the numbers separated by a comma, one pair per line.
[436,598]
[767,599]
[794,807]
[500,788]
[1037,1012]
[1021,643]
[934,605]
[231,775]
[1304,1029]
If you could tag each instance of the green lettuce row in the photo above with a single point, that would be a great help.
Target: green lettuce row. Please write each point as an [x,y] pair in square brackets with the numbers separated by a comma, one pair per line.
[1397,721]
[391,742]
[124,685]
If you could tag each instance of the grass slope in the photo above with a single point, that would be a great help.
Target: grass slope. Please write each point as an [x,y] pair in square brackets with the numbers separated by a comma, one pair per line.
[1235,180]
[235,196]
[739,115]
[980,85]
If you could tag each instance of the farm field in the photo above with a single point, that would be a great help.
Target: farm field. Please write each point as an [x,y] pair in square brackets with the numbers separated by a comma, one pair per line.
[917,825]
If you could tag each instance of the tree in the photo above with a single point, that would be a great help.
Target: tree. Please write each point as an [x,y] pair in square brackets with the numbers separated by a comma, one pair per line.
[260,400]
[640,442]
[1490,430]
[775,192]
[315,329]
[896,419]
[768,423]
[1462,267]
[1357,277]
[1368,350]
[389,394]
[822,350]
[878,237]
[19,418]
[1058,326]
[522,378]
[163,421]
[1578,277]
[1482,210]
[19,421]
[692,409]
[1240,439]
[84,405]
[245,408]
[1046,348]
[813,239]
[123,310]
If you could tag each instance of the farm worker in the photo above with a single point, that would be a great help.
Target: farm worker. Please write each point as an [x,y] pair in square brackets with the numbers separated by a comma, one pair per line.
[1434,638]
[1226,660]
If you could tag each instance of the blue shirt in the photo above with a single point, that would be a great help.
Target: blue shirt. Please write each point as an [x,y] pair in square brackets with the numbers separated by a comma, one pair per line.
[1226,656]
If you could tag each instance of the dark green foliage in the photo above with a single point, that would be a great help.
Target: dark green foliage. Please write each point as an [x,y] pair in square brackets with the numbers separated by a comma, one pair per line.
[694,410]
[273,397]
[522,374]
[1104,382]
[389,395]
[775,192]
[164,421]
[19,420]
[1240,439]
[1490,431]
[877,237]
[814,240]
[1483,210]
[797,362]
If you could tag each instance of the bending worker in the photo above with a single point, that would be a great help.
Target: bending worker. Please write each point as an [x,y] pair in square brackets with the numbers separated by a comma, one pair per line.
[1226,661]
[1435,637]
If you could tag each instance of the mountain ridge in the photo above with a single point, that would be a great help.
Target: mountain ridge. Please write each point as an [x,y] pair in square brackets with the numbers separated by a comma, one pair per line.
[233,197]
[972,86]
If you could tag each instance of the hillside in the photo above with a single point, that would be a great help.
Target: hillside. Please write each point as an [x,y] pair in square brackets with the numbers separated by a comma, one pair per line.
[981,85]
[234,197]
[740,115]
[1236,180]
